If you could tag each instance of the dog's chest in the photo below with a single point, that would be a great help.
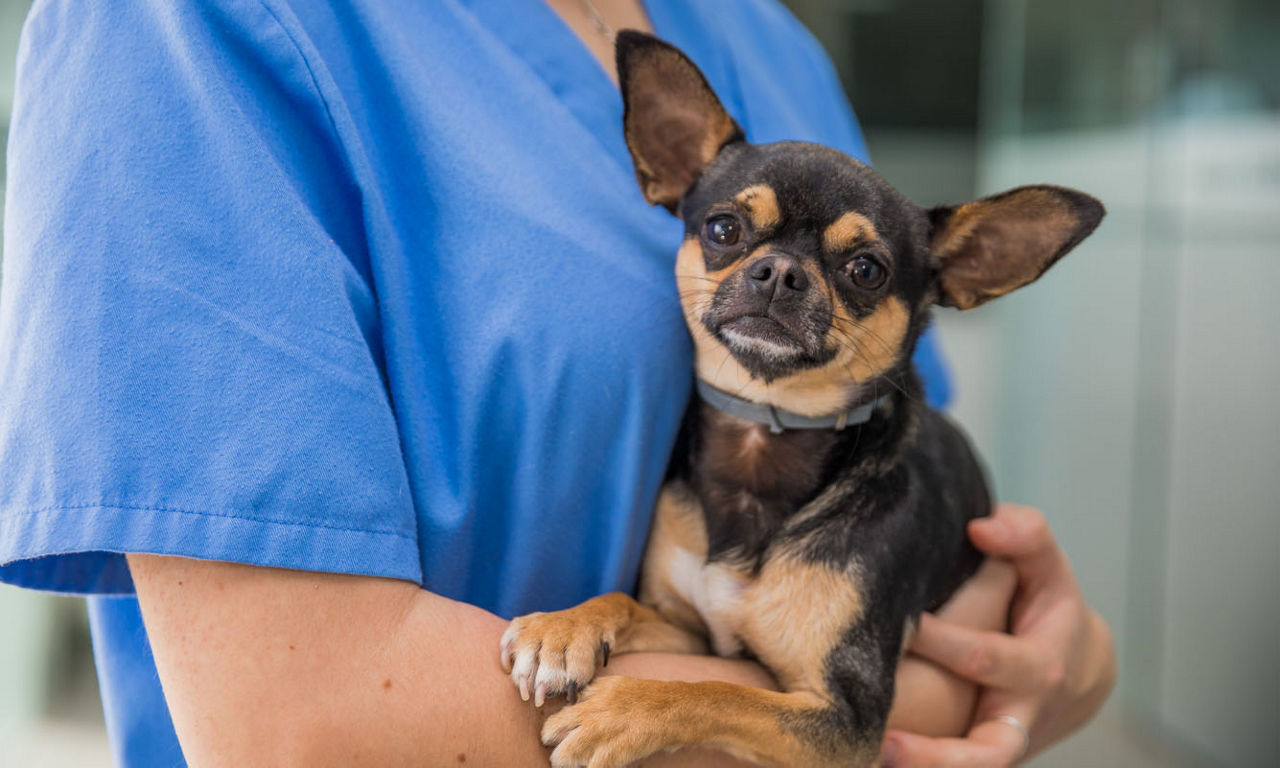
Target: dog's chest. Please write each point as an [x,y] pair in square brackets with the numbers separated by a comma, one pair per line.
[789,615]
[716,592]
[681,585]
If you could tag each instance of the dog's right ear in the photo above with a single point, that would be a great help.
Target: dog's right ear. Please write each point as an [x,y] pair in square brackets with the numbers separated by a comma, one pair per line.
[674,124]
[991,246]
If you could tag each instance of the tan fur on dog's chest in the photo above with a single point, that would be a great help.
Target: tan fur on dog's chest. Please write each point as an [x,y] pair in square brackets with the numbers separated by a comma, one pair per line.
[789,616]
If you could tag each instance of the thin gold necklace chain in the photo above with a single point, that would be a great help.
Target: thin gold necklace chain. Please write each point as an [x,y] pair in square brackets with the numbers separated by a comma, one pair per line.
[598,21]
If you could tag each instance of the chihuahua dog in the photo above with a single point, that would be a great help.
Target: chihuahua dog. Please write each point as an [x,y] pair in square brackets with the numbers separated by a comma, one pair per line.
[814,506]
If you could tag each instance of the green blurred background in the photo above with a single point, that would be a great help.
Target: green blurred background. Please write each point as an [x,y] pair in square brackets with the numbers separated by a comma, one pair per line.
[1129,394]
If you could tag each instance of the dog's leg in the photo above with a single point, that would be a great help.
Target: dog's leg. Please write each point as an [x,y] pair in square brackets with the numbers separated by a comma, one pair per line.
[619,720]
[548,654]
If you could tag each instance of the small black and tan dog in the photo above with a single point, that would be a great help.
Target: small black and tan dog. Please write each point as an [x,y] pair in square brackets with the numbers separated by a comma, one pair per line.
[815,506]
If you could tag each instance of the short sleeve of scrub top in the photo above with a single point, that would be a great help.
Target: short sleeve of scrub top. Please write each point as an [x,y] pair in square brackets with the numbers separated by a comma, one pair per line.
[360,287]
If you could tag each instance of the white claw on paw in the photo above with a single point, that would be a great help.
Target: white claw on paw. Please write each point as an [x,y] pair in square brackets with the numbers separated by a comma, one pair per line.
[548,679]
[550,654]
[523,670]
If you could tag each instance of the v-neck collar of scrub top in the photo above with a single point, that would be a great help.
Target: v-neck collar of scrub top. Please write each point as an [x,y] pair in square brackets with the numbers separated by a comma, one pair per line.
[556,55]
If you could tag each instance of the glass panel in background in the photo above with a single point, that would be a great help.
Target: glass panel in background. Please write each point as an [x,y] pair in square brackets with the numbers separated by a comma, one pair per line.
[1130,393]
[1160,356]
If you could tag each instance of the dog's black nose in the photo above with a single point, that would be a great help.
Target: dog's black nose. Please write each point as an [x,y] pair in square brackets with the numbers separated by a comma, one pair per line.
[777,276]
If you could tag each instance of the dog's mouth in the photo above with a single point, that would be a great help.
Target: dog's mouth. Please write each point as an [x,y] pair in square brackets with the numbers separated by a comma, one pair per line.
[768,346]
[760,335]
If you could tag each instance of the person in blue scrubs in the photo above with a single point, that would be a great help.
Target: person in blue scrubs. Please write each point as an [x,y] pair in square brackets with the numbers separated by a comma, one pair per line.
[358,288]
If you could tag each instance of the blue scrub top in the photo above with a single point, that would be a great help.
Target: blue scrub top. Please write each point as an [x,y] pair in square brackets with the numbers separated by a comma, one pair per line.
[363,287]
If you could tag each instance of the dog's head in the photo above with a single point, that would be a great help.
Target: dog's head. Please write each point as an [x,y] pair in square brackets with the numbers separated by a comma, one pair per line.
[805,278]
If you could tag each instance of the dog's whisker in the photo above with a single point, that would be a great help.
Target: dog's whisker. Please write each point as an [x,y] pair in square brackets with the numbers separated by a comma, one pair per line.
[858,350]
[868,331]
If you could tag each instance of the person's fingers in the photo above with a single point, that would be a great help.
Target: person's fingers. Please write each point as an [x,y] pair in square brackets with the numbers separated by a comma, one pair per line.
[1012,530]
[1022,535]
[990,744]
[991,659]
[983,600]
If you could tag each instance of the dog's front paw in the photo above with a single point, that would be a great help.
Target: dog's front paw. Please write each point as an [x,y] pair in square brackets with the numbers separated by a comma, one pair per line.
[616,722]
[548,654]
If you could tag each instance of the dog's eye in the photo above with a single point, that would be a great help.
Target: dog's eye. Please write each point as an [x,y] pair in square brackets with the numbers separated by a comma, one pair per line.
[723,229]
[867,273]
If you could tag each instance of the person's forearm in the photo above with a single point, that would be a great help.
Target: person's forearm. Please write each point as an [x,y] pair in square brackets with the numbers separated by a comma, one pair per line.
[271,667]
[267,666]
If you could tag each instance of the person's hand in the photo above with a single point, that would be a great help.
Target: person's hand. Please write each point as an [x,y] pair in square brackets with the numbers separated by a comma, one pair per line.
[1051,672]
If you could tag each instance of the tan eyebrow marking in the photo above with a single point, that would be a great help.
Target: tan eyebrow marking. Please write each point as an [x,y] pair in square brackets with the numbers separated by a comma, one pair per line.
[850,228]
[762,205]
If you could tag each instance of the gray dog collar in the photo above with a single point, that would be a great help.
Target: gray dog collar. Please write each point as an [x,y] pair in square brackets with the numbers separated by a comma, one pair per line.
[778,419]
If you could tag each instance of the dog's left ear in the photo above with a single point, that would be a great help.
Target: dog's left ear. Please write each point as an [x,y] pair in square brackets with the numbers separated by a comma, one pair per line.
[674,124]
[991,246]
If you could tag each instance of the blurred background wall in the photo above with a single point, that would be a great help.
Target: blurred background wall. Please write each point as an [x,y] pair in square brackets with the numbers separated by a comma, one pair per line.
[1130,393]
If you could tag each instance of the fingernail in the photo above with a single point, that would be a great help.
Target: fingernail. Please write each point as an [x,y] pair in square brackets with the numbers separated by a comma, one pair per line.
[889,754]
